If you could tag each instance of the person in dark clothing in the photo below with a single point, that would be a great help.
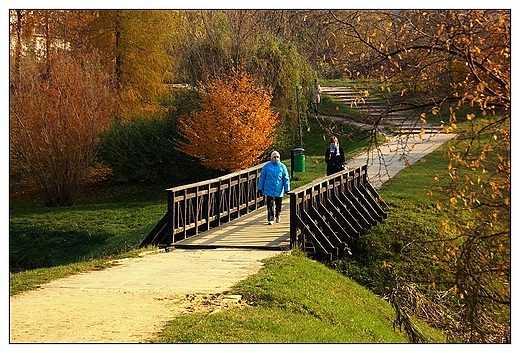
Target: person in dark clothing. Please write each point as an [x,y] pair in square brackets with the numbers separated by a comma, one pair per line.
[334,157]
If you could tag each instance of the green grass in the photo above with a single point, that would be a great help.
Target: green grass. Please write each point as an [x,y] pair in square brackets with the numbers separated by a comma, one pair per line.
[295,300]
[50,243]
[329,106]
[409,235]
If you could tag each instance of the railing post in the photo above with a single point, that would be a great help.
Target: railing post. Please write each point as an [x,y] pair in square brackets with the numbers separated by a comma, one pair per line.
[239,194]
[185,213]
[207,206]
[228,200]
[292,215]
[248,191]
[171,218]
[196,216]
[219,201]
[365,172]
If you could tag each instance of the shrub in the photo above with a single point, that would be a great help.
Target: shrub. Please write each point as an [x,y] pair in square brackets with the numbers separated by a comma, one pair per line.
[140,150]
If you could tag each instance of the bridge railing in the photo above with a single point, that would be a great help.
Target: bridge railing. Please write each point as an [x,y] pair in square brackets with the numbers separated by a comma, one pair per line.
[327,214]
[197,207]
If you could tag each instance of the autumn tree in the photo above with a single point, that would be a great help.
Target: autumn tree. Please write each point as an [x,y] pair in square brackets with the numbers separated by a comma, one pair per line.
[56,113]
[135,45]
[235,125]
[221,41]
[455,65]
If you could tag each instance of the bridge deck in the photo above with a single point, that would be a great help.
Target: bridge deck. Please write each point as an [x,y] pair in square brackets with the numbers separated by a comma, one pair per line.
[250,231]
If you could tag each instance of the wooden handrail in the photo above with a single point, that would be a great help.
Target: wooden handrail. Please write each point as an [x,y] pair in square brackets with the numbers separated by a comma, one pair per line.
[199,206]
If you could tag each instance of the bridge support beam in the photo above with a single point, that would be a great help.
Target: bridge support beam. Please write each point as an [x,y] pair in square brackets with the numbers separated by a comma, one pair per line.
[329,213]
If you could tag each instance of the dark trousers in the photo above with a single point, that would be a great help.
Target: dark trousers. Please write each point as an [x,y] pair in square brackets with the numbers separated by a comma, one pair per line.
[274,207]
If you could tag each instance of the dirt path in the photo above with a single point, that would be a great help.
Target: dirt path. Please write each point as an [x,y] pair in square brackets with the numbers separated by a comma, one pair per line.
[133,300]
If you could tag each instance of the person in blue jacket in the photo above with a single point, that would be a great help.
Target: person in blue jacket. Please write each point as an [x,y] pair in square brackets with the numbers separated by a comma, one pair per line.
[273,182]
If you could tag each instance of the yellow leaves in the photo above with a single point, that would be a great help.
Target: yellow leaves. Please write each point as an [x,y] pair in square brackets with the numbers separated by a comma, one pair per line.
[441,29]
[453,201]
[470,116]
[423,131]
[481,86]
[447,129]
[386,266]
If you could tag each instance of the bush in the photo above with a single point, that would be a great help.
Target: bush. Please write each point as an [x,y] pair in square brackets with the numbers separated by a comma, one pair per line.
[141,150]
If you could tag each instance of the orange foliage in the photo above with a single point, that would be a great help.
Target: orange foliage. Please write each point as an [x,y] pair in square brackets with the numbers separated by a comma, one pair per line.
[234,127]
[55,122]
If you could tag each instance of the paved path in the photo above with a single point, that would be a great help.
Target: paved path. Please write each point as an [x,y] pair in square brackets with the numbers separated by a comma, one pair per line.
[387,160]
[131,301]
[134,299]
[416,140]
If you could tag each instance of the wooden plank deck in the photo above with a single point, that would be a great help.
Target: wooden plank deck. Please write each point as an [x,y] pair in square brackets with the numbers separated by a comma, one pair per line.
[250,231]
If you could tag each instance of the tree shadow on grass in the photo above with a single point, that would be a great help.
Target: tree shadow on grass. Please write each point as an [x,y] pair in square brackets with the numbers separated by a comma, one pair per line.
[32,247]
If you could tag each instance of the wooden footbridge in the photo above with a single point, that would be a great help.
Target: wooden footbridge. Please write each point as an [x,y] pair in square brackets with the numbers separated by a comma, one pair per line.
[323,217]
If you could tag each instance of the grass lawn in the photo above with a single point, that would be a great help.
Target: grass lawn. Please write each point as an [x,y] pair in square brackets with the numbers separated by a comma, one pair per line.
[50,243]
[295,300]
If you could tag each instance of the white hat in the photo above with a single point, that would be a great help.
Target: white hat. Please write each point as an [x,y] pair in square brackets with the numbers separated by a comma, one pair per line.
[275,154]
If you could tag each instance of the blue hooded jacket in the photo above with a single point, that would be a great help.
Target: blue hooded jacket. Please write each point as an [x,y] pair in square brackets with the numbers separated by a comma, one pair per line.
[274,179]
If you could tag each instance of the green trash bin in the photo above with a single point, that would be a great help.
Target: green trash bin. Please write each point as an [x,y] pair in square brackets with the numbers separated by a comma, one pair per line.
[299,162]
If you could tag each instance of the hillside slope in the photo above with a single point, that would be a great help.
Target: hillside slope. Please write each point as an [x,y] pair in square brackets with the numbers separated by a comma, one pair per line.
[294,299]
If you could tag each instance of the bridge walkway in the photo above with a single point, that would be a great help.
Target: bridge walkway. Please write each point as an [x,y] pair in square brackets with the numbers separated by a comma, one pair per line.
[247,232]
